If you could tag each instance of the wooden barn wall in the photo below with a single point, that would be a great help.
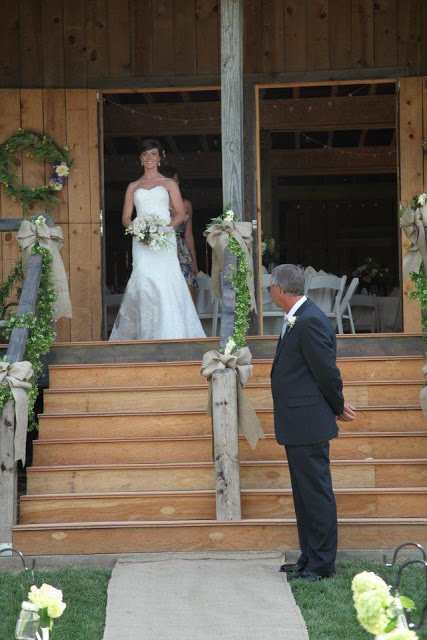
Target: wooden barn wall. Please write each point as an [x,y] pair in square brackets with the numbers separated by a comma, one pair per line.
[73,43]
[70,117]
[413,169]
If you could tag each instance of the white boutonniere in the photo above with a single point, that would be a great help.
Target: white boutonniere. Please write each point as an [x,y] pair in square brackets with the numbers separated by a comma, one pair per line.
[291,322]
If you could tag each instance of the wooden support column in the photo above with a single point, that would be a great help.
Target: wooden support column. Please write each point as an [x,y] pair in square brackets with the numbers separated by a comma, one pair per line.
[226,445]
[232,103]
[8,475]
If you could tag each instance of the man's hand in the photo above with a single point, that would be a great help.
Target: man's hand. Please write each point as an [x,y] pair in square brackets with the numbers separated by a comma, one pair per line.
[348,414]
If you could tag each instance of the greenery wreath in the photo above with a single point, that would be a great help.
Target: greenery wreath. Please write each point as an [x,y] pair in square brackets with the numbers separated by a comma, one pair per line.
[39,147]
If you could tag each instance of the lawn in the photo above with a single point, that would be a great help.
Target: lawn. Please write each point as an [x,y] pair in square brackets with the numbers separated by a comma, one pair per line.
[84,592]
[327,606]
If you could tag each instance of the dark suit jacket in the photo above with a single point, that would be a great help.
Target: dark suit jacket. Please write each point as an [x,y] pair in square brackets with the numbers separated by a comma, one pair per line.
[305,380]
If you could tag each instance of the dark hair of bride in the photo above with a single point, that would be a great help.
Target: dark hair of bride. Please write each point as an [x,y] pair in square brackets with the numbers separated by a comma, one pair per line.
[151,143]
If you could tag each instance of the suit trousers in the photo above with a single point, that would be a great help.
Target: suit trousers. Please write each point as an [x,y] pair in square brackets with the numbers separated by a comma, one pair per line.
[315,506]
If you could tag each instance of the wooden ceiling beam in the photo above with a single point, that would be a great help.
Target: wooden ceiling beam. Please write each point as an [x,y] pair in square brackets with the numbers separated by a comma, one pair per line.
[289,162]
[300,114]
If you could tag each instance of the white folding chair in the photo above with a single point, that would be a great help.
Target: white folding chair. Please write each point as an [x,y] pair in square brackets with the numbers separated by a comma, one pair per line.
[345,306]
[205,308]
[335,284]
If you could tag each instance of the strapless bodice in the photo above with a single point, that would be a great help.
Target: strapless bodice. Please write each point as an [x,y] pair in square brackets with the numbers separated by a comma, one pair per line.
[152,202]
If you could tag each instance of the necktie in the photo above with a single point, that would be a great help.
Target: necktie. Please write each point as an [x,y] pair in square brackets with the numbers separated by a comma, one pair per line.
[284,326]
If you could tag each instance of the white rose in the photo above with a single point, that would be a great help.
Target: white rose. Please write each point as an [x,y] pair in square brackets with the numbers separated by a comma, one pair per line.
[62,169]
[229,347]
[422,199]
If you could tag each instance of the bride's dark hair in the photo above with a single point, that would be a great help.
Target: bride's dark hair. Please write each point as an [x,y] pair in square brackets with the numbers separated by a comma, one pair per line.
[151,143]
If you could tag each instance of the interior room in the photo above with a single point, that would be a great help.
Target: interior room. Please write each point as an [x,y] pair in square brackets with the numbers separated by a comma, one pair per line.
[329,191]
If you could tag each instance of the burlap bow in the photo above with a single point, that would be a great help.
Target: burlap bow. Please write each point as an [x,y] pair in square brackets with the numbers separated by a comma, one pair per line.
[17,376]
[412,224]
[240,362]
[53,240]
[217,236]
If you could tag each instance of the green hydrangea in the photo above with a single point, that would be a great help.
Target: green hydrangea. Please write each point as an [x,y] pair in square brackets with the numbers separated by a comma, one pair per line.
[398,634]
[372,611]
[369,581]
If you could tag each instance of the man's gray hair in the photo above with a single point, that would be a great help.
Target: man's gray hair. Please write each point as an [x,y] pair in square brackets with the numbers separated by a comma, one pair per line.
[290,279]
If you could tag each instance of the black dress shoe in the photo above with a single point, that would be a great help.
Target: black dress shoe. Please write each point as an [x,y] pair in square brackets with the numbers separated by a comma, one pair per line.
[309,576]
[290,568]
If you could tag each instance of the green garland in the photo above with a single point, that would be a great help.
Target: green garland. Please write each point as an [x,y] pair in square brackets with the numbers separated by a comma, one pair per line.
[41,332]
[243,298]
[419,293]
[38,147]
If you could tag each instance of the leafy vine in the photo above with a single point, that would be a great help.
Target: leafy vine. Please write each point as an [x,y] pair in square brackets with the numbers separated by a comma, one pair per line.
[243,298]
[41,332]
[39,147]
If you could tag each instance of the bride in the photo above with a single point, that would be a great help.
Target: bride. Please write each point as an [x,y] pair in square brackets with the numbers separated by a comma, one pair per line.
[157,303]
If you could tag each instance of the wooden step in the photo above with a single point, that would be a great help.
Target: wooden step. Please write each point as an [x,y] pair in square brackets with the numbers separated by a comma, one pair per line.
[190,397]
[247,535]
[199,448]
[188,373]
[180,423]
[200,505]
[201,475]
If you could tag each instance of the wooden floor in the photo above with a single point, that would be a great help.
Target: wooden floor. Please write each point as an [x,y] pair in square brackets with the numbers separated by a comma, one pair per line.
[124,462]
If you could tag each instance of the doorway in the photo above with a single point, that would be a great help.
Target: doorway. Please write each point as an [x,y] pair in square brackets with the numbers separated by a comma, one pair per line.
[328,189]
[187,122]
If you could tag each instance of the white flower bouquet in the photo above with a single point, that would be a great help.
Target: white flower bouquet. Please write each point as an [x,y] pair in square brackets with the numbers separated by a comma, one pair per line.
[49,602]
[152,229]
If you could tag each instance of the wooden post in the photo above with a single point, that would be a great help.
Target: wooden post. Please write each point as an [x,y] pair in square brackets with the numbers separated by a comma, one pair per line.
[226,445]
[232,103]
[8,475]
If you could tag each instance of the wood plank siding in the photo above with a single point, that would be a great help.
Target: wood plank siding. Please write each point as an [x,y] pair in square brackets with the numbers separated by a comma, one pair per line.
[76,43]
[70,117]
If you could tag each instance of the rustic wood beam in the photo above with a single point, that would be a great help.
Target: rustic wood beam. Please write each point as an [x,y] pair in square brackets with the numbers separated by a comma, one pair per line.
[232,103]
[310,114]
[320,114]
[206,82]
[285,162]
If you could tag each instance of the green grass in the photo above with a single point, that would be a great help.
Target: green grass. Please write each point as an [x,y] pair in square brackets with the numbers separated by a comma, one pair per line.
[327,606]
[84,592]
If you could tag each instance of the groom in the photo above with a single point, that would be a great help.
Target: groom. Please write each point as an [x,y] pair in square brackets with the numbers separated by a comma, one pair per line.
[308,399]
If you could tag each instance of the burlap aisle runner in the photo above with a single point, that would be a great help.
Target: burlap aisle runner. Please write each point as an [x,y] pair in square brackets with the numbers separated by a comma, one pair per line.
[17,376]
[217,236]
[53,240]
[240,362]
[413,223]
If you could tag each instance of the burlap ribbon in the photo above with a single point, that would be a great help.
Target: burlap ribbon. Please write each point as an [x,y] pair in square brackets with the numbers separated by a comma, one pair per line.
[412,224]
[53,240]
[240,362]
[17,376]
[217,236]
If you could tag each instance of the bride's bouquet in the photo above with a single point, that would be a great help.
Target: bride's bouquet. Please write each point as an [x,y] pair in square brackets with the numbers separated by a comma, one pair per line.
[153,229]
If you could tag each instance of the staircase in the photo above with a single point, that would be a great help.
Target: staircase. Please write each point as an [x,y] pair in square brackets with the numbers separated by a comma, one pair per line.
[124,459]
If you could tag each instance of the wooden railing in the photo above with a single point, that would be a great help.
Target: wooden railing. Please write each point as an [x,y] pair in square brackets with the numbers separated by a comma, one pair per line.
[15,353]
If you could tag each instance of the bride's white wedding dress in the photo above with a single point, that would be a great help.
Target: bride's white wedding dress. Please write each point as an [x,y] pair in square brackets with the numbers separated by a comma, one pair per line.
[157,303]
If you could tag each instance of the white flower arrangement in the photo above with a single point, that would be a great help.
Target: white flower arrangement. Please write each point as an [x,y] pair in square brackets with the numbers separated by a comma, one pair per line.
[377,610]
[291,322]
[49,603]
[229,215]
[419,201]
[153,229]
[39,222]
[230,347]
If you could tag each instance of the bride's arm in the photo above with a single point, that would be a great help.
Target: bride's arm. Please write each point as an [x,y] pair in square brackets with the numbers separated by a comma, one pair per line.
[128,206]
[177,208]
